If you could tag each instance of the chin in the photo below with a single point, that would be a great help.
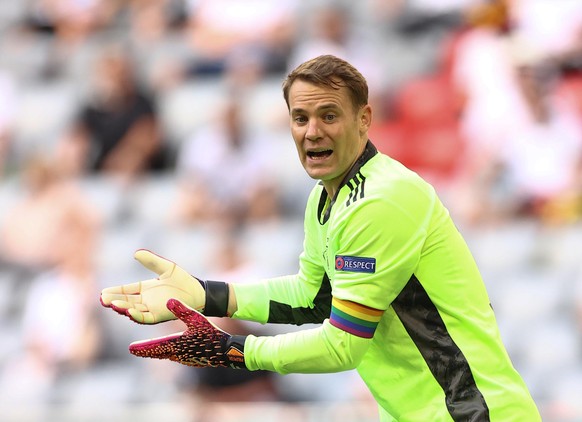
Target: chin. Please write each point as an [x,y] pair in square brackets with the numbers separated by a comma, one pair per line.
[319,175]
[314,175]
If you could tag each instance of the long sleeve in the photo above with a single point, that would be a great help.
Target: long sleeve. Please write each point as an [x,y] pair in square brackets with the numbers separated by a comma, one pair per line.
[320,350]
[284,300]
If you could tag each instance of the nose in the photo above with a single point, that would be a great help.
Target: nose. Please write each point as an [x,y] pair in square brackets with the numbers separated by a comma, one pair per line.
[313,132]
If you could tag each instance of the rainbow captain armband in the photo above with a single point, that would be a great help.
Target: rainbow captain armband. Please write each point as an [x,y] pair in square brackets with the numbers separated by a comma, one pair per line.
[354,318]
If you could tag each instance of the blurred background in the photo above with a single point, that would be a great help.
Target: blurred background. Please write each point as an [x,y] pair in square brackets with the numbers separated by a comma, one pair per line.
[160,124]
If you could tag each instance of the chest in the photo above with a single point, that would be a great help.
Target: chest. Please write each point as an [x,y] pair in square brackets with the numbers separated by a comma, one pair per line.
[328,240]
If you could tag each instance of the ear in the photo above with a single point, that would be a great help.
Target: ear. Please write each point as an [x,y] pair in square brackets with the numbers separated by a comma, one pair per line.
[365,118]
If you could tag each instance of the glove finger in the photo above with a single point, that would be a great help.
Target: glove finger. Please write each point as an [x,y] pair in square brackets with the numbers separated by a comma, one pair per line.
[120,311]
[189,316]
[197,323]
[142,317]
[157,348]
[107,299]
[153,262]
[122,301]
[133,311]
[122,304]
[168,347]
[137,312]
[121,292]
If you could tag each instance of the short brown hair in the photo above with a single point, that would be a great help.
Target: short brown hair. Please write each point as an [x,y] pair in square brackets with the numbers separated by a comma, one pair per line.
[333,72]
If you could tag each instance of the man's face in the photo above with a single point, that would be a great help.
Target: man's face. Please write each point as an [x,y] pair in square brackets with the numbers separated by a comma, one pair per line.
[328,133]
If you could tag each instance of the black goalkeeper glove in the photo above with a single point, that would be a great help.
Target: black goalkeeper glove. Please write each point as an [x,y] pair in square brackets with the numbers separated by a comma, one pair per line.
[202,344]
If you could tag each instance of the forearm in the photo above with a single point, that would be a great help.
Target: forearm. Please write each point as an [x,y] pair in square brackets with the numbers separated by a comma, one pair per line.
[321,350]
[249,302]
[283,300]
[136,148]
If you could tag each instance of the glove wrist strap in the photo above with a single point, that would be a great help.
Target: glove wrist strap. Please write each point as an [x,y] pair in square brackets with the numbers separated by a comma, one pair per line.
[235,351]
[216,298]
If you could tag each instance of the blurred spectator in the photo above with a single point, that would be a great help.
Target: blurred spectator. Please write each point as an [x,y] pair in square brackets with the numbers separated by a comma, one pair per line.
[569,62]
[155,29]
[8,100]
[412,34]
[534,169]
[151,20]
[117,131]
[551,26]
[49,238]
[478,63]
[71,21]
[327,30]
[415,17]
[224,171]
[51,221]
[254,36]
[71,24]
[60,336]
[481,71]
[330,29]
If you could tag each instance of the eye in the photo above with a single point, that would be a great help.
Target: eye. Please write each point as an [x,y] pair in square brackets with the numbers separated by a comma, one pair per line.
[329,117]
[299,119]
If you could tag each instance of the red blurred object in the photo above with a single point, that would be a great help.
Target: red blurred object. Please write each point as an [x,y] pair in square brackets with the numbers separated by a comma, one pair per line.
[424,132]
[570,88]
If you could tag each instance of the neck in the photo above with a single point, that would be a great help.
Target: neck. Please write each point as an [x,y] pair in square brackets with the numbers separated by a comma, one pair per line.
[332,186]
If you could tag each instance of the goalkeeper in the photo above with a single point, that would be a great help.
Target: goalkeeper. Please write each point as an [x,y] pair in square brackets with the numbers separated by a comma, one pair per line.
[383,270]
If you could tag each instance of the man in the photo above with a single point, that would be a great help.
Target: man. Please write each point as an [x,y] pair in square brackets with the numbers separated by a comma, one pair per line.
[384,270]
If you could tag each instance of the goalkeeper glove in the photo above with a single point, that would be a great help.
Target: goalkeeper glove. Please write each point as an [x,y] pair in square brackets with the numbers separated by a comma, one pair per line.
[145,301]
[202,344]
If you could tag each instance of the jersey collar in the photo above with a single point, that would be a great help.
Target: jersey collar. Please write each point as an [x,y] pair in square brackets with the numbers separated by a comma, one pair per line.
[369,152]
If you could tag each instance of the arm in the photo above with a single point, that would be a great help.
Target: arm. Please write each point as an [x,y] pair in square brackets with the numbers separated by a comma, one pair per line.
[136,148]
[338,345]
[321,350]
[356,308]
[282,300]
[279,300]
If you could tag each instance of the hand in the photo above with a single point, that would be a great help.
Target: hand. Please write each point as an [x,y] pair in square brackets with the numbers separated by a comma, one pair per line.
[145,301]
[202,344]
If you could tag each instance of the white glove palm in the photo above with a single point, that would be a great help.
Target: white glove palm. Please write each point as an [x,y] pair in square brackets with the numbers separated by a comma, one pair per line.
[145,301]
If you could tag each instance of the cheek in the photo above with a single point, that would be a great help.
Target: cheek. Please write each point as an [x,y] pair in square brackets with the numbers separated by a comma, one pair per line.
[297,138]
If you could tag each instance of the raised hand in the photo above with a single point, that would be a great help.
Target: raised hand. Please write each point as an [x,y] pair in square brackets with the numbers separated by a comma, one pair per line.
[145,301]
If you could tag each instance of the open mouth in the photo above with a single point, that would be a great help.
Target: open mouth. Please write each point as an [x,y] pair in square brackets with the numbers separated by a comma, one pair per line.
[319,155]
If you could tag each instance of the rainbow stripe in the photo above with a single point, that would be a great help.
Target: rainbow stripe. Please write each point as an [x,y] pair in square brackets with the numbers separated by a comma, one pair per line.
[354,318]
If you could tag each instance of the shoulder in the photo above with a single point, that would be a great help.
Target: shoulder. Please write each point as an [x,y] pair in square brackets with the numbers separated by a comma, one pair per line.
[388,202]
[384,184]
[387,173]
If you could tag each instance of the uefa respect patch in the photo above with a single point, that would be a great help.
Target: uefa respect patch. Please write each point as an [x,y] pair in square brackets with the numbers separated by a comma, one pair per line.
[355,264]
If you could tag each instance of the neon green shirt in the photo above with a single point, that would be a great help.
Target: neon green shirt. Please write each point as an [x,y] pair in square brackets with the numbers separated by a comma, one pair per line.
[400,299]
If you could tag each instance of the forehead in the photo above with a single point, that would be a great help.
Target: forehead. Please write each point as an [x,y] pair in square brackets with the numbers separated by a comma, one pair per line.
[306,95]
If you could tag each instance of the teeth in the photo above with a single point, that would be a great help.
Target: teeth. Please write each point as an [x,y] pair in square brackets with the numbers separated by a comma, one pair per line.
[319,153]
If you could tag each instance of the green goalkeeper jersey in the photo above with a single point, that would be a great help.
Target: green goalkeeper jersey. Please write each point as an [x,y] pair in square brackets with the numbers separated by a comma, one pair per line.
[400,298]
